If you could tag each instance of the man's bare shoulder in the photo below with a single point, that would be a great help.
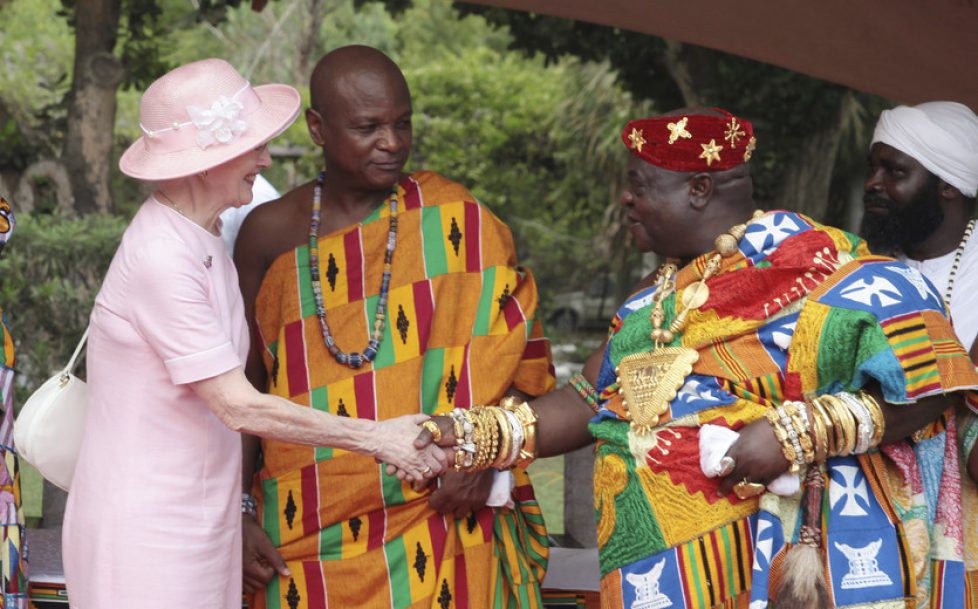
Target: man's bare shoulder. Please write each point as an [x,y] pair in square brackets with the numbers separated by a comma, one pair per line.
[275,227]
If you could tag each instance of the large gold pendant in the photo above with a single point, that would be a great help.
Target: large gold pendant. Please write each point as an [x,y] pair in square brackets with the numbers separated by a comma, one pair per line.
[649,381]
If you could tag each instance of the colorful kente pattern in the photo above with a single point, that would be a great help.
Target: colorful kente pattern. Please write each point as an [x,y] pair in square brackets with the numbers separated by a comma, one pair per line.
[13,562]
[800,310]
[460,331]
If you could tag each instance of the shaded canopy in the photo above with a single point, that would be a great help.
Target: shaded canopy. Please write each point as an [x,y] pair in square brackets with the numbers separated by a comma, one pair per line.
[907,50]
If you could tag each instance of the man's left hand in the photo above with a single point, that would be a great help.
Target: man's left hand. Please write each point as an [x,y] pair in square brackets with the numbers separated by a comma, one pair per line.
[460,494]
[757,456]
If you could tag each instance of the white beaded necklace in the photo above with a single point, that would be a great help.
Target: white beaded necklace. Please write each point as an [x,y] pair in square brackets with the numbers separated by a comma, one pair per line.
[957,260]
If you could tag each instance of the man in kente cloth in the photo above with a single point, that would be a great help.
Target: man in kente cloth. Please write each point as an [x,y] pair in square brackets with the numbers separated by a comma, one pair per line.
[405,298]
[773,407]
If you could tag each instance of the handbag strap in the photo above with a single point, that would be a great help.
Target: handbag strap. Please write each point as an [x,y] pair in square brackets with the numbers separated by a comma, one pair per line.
[74,356]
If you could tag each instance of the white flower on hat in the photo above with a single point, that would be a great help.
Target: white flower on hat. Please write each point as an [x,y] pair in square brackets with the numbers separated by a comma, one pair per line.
[220,124]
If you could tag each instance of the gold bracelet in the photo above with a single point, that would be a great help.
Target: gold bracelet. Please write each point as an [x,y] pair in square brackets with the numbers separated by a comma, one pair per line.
[458,429]
[799,422]
[528,453]
[459,459]
[844,423]
[774,418]
[489,440]
[831,448]
[819,435]
[528,421]
[850,425]
[875,413]
[841,437]
[464,438]
[505,437]
[480,438]
[864,421]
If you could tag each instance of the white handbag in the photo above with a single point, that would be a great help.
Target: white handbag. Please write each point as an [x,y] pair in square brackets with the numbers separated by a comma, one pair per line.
[49,429]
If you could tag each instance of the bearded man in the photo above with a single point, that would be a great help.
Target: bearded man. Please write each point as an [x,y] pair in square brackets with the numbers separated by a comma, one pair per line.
[919,207]
[920,200]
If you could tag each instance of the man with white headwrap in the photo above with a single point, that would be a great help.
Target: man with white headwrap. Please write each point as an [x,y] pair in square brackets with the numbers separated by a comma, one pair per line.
[920,203]
[920,198]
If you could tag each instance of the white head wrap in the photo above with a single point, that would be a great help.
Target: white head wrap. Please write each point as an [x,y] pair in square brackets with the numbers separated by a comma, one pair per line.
[941,136]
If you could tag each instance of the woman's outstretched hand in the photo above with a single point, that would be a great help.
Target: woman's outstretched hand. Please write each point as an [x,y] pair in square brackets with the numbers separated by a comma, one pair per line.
[395,445]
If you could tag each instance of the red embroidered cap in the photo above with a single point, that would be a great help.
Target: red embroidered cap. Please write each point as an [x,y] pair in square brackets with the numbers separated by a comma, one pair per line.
[691,142]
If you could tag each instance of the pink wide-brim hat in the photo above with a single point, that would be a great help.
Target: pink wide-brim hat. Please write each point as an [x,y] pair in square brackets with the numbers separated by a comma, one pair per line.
[201,115]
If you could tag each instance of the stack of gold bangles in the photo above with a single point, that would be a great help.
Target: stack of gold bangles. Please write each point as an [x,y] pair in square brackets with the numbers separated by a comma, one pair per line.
[494,436]
[831,425]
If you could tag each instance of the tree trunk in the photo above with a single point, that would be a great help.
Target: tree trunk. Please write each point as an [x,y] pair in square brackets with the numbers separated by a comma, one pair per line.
[679,69]
[59,186]
[87,153]
[806,183]
[308,46]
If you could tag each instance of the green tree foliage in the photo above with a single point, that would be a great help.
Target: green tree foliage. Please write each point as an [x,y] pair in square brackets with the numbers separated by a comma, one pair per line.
[35,55]
[536,143]
[802,122]
[51,270]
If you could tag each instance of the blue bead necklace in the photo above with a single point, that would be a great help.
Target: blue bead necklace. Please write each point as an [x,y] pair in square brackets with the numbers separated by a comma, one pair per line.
[354,359]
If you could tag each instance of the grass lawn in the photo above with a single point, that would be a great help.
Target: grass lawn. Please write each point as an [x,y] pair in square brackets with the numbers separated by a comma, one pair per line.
[31,491]
[548,483]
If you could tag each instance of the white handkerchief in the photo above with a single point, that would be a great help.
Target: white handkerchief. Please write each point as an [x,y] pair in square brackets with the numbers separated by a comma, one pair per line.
[501,494]
[715,441]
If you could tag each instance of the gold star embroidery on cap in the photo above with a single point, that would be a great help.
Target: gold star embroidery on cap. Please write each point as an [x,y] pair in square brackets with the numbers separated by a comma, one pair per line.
[751,145]
[636,139]
[711,152]
[678,130]
[734,132]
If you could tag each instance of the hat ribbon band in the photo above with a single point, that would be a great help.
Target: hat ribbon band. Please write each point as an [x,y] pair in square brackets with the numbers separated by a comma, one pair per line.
[221,123]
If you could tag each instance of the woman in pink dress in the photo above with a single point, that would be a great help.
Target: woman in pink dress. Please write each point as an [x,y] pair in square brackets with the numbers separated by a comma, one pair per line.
[154,514]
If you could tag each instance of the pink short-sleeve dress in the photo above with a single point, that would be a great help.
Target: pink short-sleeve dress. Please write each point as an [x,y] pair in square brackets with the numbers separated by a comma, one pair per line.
[153,517]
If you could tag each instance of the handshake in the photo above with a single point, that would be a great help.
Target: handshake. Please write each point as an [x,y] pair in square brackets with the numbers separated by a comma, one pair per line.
[417,448]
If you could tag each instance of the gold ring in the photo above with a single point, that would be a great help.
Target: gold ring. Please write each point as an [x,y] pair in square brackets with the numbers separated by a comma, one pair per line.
[431,426]
[746,490]
[426,470]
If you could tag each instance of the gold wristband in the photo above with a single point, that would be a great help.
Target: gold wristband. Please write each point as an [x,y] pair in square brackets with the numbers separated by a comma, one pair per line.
[819,434]
[845,425]
[876,414]
[831,448]
[774,418]
[528,421]
[798,421]
[505,437]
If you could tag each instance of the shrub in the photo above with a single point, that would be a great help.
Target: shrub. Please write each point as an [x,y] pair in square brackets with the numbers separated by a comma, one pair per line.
[49,274]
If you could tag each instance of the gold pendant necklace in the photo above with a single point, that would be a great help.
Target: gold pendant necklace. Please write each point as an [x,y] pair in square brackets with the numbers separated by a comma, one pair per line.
[649,381]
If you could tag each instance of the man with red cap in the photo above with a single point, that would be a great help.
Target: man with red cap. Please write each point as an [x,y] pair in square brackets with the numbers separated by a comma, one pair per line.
[754,402]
